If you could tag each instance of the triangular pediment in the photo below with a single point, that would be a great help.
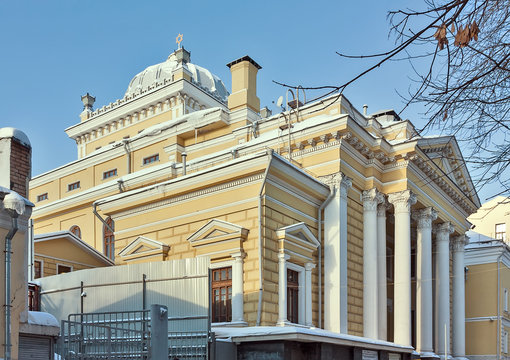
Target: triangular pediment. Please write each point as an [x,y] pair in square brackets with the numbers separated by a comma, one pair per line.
[143,246]
[298,231]
[218,229]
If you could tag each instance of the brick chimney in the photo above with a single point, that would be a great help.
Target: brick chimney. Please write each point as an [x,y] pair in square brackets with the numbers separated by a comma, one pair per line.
[244,84]
[15,160]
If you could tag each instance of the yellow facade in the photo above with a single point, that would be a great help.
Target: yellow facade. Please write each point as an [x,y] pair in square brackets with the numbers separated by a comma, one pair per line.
[238,172]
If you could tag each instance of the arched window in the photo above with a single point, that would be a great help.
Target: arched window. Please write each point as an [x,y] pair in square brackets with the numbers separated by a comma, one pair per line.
[75,229]
[109,240]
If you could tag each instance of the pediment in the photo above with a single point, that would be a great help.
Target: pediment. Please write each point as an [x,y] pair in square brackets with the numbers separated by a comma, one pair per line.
[143,246]
[299,232]
[218,230]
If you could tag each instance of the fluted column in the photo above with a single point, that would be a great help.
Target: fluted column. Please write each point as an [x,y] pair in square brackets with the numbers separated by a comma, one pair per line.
[424,298]
[371,198]
[442,301]
[335,256]
[402,202]
[382,297]
[459,315]
[282,288]
[237,287]
[308,293]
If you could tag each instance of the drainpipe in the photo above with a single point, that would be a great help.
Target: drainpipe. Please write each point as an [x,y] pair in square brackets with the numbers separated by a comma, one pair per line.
[128,155]
[498,340]
[31,246]
[94,206]
[7,306]
[326,202]
[261,281]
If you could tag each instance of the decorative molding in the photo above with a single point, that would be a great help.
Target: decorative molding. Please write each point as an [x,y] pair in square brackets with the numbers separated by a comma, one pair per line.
[443,231]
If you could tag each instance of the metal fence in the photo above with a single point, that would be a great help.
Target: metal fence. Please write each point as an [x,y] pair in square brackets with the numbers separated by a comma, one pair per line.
[125,335]
[112,335]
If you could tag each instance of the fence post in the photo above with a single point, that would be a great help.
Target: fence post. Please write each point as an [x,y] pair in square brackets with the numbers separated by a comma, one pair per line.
[159,332]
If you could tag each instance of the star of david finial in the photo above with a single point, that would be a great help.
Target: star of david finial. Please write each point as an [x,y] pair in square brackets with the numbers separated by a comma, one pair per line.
[178,40]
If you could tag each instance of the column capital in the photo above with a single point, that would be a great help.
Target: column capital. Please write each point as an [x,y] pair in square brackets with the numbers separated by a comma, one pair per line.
[424,217]
[402,200]
[339,180]
[443,231]
[309,266]
[240,255]
[371,198]
[459,242]
[282,257]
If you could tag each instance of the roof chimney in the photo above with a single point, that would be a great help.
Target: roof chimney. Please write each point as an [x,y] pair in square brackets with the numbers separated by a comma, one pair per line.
[365,108]
[244,84]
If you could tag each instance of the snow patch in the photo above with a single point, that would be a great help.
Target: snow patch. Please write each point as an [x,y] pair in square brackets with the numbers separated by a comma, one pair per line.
[10,132]
[42,318]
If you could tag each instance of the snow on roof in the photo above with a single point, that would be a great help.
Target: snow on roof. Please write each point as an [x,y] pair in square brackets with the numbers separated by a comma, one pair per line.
[10,132]
[477,240]
[234,333]
[13,196]
[42,318]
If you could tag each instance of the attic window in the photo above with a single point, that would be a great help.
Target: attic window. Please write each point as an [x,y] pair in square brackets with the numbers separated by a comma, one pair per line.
[109,174]
[73,186]
[151,159]
[42,197]
[501,231]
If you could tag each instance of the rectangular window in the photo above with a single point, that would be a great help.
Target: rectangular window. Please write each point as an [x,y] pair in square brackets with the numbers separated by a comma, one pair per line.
[73,186]
[37,269]
[109,174]
[151,159]
[42,197]
[61,269]
[505,299]
[222,295]
[501,231]
[293,296]
[504,341]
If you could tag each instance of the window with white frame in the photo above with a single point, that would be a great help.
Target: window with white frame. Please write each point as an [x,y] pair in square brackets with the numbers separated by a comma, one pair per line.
[295,294]
[500,231]
[505,299]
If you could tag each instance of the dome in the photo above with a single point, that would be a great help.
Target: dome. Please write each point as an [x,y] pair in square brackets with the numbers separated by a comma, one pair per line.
[160,72]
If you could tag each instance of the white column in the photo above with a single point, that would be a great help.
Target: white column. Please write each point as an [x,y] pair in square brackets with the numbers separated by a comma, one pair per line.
[237,287]
[459,315]
[335,257]
[371,198]
[424,298]
[382,297]
[442,314]
[402,202]
[308,293]
[282,288]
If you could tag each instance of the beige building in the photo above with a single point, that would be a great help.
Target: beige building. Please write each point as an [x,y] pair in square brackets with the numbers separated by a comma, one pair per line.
[317,217]
[493,218]
[487,299]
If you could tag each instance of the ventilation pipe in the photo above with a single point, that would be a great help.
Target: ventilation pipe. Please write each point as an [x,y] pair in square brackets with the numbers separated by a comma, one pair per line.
[365,109]
[183,156]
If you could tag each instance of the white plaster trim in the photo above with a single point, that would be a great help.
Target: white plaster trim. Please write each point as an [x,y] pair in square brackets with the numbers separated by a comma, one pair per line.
[482,318]
[301,291]
[64,260]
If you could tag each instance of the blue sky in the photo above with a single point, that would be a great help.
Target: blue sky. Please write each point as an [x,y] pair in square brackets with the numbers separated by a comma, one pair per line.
[55,51]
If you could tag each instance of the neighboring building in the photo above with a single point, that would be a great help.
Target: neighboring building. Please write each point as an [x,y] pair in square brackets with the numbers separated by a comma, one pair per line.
[487,299]
[493,218]
[292,209]
[62,252]
[23,333]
